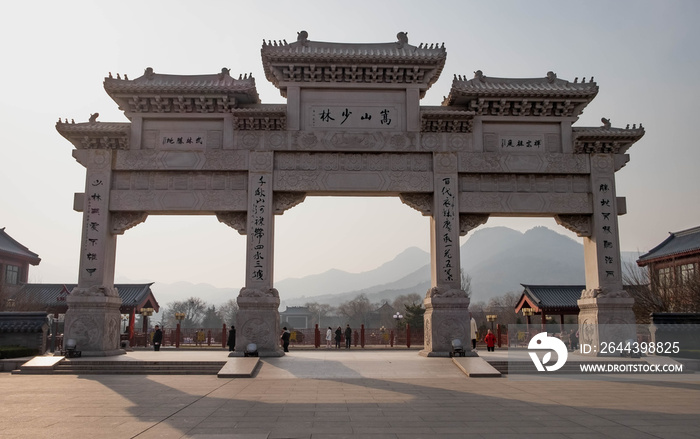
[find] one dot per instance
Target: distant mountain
(498, 259)
(337, 281)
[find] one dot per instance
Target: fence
(217, 337)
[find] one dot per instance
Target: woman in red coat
(490, 340)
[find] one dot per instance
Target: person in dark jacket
(338, 335)
(348, 336)
(285, 338)
(157, 338)
(231, 339)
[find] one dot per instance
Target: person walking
(329, 337)
(157, 338)
(348, 336)
(285, 338)
(338, 335)
(231, 339)
(490, 340)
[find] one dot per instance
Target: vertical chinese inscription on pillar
(448, 221)
(604, 195)
(257, 237)
(95, 221)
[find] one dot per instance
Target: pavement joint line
(183, 408)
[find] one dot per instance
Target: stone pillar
(93, 317)
(446, 304)
(258, 302)
(605, 309)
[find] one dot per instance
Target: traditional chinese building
(15, 260)
(675, 263)
(550, 300)
(352, 125)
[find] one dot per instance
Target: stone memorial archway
(352, 125)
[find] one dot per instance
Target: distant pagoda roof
(552, 299)
(678, 244)
(160, 93)
(385, 64)
(547, 96)
(12, 248)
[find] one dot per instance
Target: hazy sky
(55, 55)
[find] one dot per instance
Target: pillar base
(93, 322)
(258, 321)
(446, 318)
(604, 319)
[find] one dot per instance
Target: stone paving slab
(476, 367)
(354, 394)
(237, 367)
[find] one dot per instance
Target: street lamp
(398, 317)
(491, 318)
(179, 316)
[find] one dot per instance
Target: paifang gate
(352, 125)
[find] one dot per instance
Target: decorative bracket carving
(284, 201)
(579, 224)
(235, 220)
(123, 221)
(469, 222)
(422, 202)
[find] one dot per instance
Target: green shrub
(17, 352)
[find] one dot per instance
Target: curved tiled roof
(22, 322)
(52, 295)
(677, 244)
(13, 248)
(554, 297)
(549, 86)
(365, 63)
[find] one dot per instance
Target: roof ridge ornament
(479, 75)
(303, 37)
(149, 73)
(402, 38)
(93, 118)
(551, 77)
(224, 73)
(606, 123)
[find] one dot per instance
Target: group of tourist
(338, 337)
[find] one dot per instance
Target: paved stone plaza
(336, 394)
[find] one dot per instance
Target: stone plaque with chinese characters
(522, 143)
(184, 140)
(361, 117)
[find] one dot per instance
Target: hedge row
(17, 352)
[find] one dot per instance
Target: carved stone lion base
(93, 322)
(446, 319)
(604, 320)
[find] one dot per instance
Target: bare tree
(466, 282)
(319, 311)
(228, 312)
(356, 310)
(402, 301)
(194, 309)
(650, 295)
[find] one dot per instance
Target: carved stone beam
(235, 220)
(470, 222)
(579, 224)
(286, 200)
(123, 221)
(422, 202)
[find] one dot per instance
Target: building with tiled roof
(675, 261)
(550, 300)
(15, 260)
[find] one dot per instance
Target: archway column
(447, 305)
(93, 318)
(258, 302)
(605, 309)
